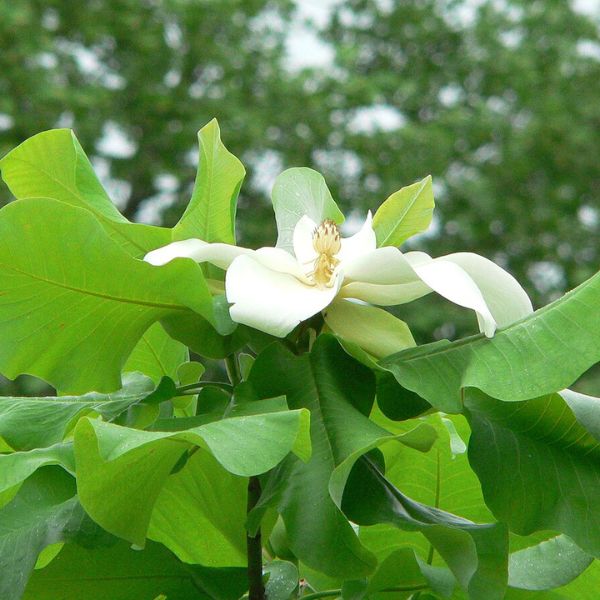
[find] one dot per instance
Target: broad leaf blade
(87, 301)
(538, 467)
(210, 215)
(27, 423)
(404, 214)
(121, 471)
(297, 192)
(538, 355)
(52, 164)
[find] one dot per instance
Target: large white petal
(385, 295)
(381, 266)
(453, 283)
(280, 260)
(218, 254)
(303, 243)
(272, 301)
(507, 300)
(360, 243)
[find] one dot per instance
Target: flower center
(326, 242)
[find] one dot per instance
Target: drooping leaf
(404, 214)
(538, 467)
(200, 514)
(210, 215)
(547, 565)
(29, 422)
(16, 467)
(540, 354)
(119, 573)
(52, 164)
(476, 554)
(87, 302)
(297, 192)
(338, 391)
(157, 354)
(44, 512)
(121, 471)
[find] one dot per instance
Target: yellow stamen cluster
(327, 243)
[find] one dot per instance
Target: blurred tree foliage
(497, 99)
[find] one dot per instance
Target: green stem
(256, 589)
(233, 370)
(331, 593)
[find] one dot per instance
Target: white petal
(385, 295)
(303, 243)
(360, 243)
(272, 301)
(381, 266)
(282, 261)
(453, 283)
(218, 254)
(507, 300)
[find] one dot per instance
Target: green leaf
(547, 565)
(297, 192)
(538, 467)
(404, 214)
(52, 164)
(120, 573)
(538, 355)
(44, 512)
(200, 514)
(373, 329)
(16, 467)
(120, 471)
(338, 391)
(398, 403)
(157, 354)
(36, 422)
(283, 579)
(476, 554)
(87, 302)
(210, 215)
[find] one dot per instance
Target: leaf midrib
(162, 305)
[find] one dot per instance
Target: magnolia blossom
(273, 290)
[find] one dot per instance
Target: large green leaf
(200, 514)
(121, 471)
(338, 391)
(44, 512)
(210, 215)
(538, 467)
(73, 303)
(120, 573)
(547, 565)
(404, 214)
(297, 192)
(52, 164)
(157, 354)
(27, 423)
(476, 554)
(538, 355)
(16, 467)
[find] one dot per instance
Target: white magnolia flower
(273, 291)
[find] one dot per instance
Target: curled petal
(282, 261)
(220, 255)
(272, 301)
(360, 243)
(507, 300)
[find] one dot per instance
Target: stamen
(327, 243)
